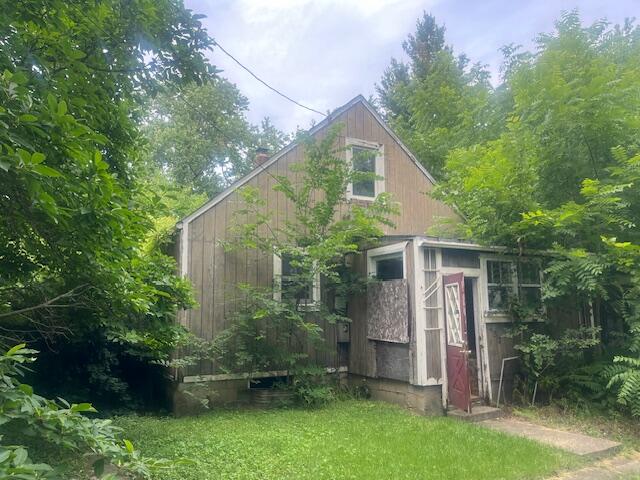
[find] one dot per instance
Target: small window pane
(389, 268)
(364, 160)
(294, 285)
(499, 297)
(493, 272)
(499, 272)
(454, 257)
(506, 273)
(529, 273)
(430, 258)
(531, 297)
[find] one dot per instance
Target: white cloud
(324, 52)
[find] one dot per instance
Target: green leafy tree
(315, 241)
(438, 101)
(563, 176)
(75, 213)
(199, 137)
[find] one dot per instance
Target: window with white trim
(387, 263)
(507, 280)
(530, 284)
(290, 285)
(366, 158)
(389, 267)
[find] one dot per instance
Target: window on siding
(390, 268)
(455, 257)
(367, 161)
(363, 160)
(529, 284)
(505, 280)
(292, 286)
(500, 285)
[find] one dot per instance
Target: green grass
(347, 440)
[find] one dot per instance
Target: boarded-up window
(392, 361)
(388, 311)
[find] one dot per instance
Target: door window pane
(454, 319)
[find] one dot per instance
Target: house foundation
(192, 398)
(423, 400)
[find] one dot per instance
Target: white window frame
(513, 285)
(379, 184)
(388, 251)
(515, 281)
(307, 304)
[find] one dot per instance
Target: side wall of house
(215, 273)
(389, 369)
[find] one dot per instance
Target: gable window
(506, 280)
(290, 285)
(366, 158)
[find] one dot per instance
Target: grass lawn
(347, 440)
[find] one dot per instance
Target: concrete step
(478, 413)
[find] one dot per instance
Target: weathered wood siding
(362, 351)
(215, 273)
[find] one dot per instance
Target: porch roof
(461, 244)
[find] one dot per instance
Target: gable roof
(326, 121)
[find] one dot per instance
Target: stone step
(478, 413)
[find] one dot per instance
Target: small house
(429, 335)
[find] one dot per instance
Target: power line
(208, 120)
(76, 4)
(265, 83)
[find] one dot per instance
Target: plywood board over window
(388, 307)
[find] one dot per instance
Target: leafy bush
(624, 376)
(313, 387)
(265, 335)
(63, 425)
(547, 361)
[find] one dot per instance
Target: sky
(323, 53)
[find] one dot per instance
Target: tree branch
(47, 304)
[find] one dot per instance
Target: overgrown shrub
(265, 335)
(547, 362)
(313, 387)
(60, 424)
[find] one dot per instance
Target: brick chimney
(262, 155)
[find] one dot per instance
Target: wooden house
(429, 335)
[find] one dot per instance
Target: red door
(457, 353)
